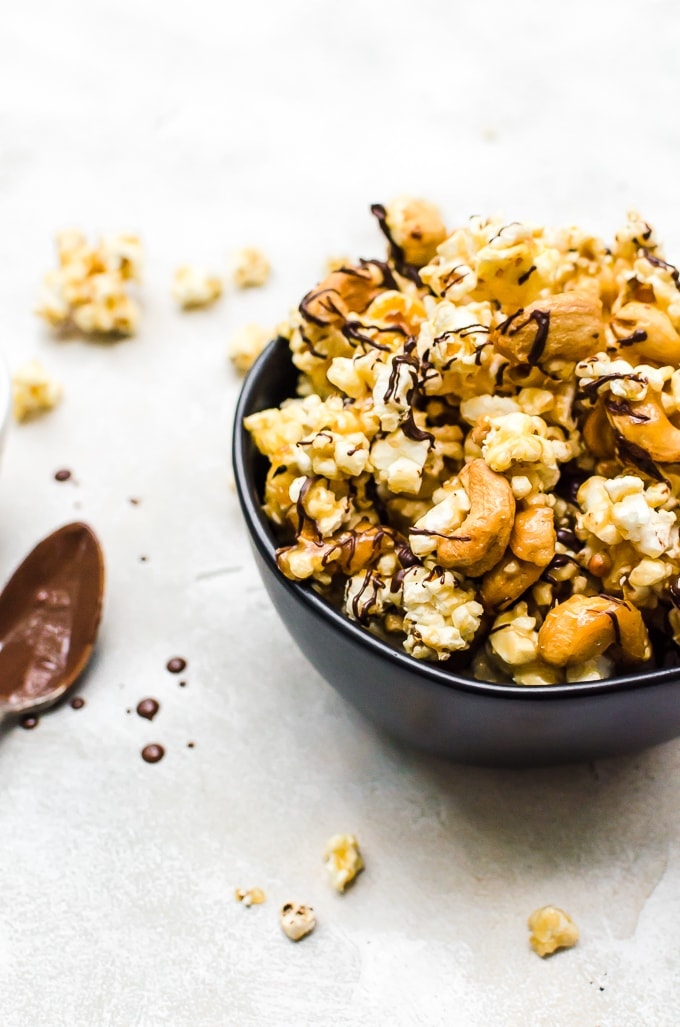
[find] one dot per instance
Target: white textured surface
(209, 126)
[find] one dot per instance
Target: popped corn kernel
(247, 344)
(194, 287)
(250, 896)
(88, 290)
(343, 860)
(551, 929)
(34, 390)
(296, 920)
(250, 268)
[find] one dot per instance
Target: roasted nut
(551, 929)
(343, 860)
(349, 290)
(296, 920)
(416, 227)
(566, 327)
(507, 581)
(533, 535)
(480, 541)
(646, 426)
(583, 627)
(349, 552)
(597, 433)
(645, 335)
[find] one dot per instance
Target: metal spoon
(49, 615)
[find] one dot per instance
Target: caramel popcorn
(88, 290)
(246, 346)
(34, 390)
(551, 929)
(482, 450)
(250, 896)
(343, 860)
(195, 287)
(250, 268)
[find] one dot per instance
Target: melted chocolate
(567, 537)
(77, 703)
(396, 252)
(638, 457)
(658, 262)
(622, 408)
(153, 753)
(148, 708)
(29, 722)
(49, 616)
(176, 664)
(62, 475)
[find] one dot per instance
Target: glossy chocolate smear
(49, 615)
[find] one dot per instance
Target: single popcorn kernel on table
(34, 390)
(296, 920)
(250, 896)
(194, 287)
(246, 346)
(343, 860)
(250, 268)
(88, 290)
(551, 929)
(479, 456)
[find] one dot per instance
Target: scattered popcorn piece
(343, 860)
(296, 920)
(551, 929)
(247, 344)
(34, 390)
(250, 896)
(88, 290)
(250, 268)
(335, 262)
(194, 287)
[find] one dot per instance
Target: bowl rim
(262, 535)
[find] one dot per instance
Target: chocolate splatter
(153, 753)
(148, 708)
(63, 474)
(176, 664)
(77, 703)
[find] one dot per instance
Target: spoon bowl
(50, 611)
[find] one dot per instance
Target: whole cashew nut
(647, 426)
(349, 551)
(645, 334)
(342, 292)
(480, 541)
(530, 550)
(583, 627)
(565, 327)
(597, 433)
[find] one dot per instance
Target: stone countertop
(206, 127)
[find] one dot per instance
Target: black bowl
(428, 705)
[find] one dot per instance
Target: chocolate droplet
(148, 708)
(62, 475)
(176, 665)
(29, 722)
(153, 753)
(77, 703)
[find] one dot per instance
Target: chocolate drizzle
(590, 390)
(396, 252)
(632, 453)
(622, 408)
(658, 262)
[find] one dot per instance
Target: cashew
(533, 535)
(349, 290)
(480, 541)
(584, 626)
(565, 327)
(530, 550)
(645, 334)
(597, 433)
(349, 551)
(646, 425)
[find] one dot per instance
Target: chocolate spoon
(49, 614)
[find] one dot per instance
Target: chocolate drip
(622, 408)
(639, 458)
(590, 390)
(658, 262)
(640, 335)
(567, 537)
(527, 275)
(617, 627)
(396, 252)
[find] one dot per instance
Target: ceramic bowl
(432, 706)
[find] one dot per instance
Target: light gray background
(207, 126)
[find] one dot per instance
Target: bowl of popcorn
(459, 465)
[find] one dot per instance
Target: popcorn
(483, 443)
(250, 268)
(250, 896)
(88, 290)
(195, 287)
(246, 346)
(343, 860)
(551, 929)
(34, 390)
(296, 920)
